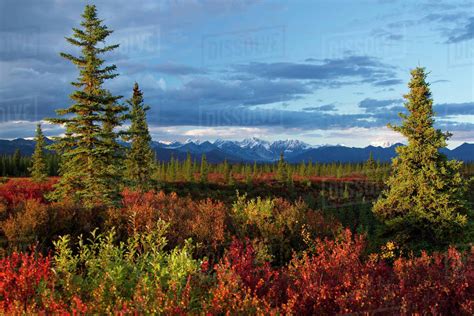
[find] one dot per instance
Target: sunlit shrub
(439, 284)
(279, 224)
(34, 221)
(203, 221)
(25, 280)
(139, 271)
(244, 285)
(332, 278)
(17, 191)
(28, 224)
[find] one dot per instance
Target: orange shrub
(28, 224)
(203, 221)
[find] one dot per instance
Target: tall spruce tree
(140, 161)
(424, 205)
(89, 148)
(39, 168)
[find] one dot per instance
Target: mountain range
(255, 149)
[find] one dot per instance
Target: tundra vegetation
(100, 228)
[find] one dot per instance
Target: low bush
(101, 275)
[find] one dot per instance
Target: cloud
(440, 81)
(387, 35)
(373, 104)
(366, 68)
(453, 21)
(244, 98)
(322, 108)
(22, 129)
(388, 82)
(173, 69)
(226, 132)
(448, 109)
(464, 33)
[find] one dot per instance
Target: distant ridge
(255, 149)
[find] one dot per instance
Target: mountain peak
(254, 142)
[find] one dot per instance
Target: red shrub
(335, 280)
(439, 284)
(203, 221)
(16, 191)
(21, 276)
(243, 284)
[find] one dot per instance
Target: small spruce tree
(204, 169)
(424, 205)
(226, 171)
(39, 168)
(188, 168)
(282, 170)
(370, 166)
(140, 160)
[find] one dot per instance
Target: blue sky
(319, 71)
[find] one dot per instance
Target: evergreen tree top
(418, 126)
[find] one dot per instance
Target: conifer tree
(39, 169)
(231, 181)
(171, 170)
(255, 170)
(282, 172)
(140, 160)
(16, 162)
(188, 168)
(248, 175)
(88, 149)
(226, 171)
(424, 204)
(345, 193)
(204, 169)
(370, 166)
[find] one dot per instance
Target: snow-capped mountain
(289, 146)
(255, 149)
(249, 149)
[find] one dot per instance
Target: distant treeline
(17, 165)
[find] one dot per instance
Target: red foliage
(335, 280)
(20, 277)
(204, 221)
(243, 284)
(440, 284)
(259, 277)
(17, 191)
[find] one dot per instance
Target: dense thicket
(162, 253)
